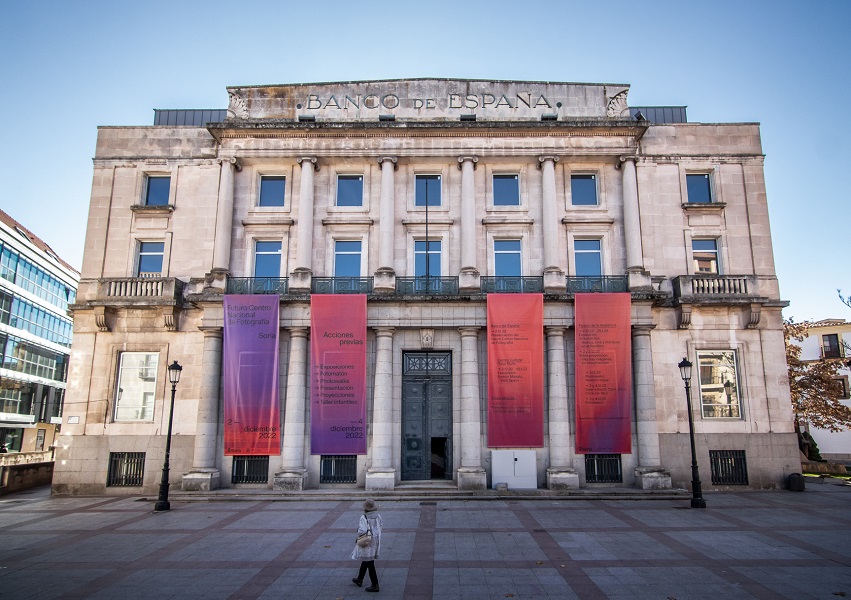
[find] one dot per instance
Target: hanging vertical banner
(515, 370)
(603, 374)
(338, 374)
(252, 411)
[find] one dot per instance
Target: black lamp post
(697, 500)
(162, 504)
(728, 389)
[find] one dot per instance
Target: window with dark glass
(507, 258)
(506, 190)
(583, 190)
(427, 191)
(347, 255)
(588, 257)
(272, 189)
(267, 259)
(830, 346)
(156, 192)
(719, 383)
(349, 190)
(698, 188)
(150, 259)
(432, 255)
(705, 255)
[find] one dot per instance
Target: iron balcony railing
(716, 286)
(599, 284)
(257, 285)
(435, 286)
(512, 285)
(341, 285)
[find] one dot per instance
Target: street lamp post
(697, 500)
(728, 389)
(162, 504)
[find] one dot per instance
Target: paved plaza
(776, 544)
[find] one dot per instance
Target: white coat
(369, 552)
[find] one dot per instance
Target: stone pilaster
(471, 475)
(224, 224)
(293, 473)
(304, 247)
(554, 270)
(560, 474)
(468, 280)
(638, 277)
(649, 474)
(205, 475)
(381, 475)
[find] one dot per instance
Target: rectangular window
(842, 383)
(583, 190)
(719, 384)
(603, 468)
(137, 385)
(427, 191)
(588, 256)
(506, 190)
(150, 259)
(507, 258)
(267, 259)
(347, 258)
(349, 190)
(698, 188)
(156, 191)
(830, 346)
(126, 469)
(705, 255)
(272, 189)
(338, 468)
(728, 467)
(433, 258)
(250, 469)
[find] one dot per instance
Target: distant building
(36, 289)
(831, 338)
(422, 208)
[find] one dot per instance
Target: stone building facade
(550, 188)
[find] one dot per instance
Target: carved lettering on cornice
(618, 106)
(237, 108)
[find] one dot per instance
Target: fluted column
(381, 475)
(224, 215)
(386, 223)
(471, 474)
(560, 474)
(649, 473)
(304, 248)
(204, 475)
(292, 475)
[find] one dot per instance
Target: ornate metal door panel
(414, 441)
(426, 412)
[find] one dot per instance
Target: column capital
(211, 331)
(469, 331)
(312, 159)
(543, 159)
(231, 160)
(555, 330)
(463, 159)
(642, 328)
(384, 331)
(392, 159)
(298, 332)
(626, 157)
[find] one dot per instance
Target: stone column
(385, 276)
(293, 474)
(649, 474)
(224, 224)
(471, 474)
(204, 475)
(300, 277)
(560, 474)
(553, 265)
(638, 277)
(381, 475)
(469, 275)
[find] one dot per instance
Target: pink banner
(252, 411)
(515, 370)
(603, 374)
(338, 374)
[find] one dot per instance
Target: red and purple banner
(338, 374)
(603, 374)
(250, 374)
(515, 370)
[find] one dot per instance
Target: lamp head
(174, 370)
(685, 369)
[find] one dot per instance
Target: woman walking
(369, 526)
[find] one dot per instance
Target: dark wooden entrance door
(426, 416)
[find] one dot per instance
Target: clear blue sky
(71, 66)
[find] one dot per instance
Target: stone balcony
(716, 288)
(102, 295)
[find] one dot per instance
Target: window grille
(338, 468)
(125, 469)
(729, 467)
(603, 468)
(250, 469)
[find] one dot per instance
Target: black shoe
(357, 582)
(372, 588)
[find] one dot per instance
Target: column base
(562, 478)
(554, 281)
(299, 281)
(201, 480)
(638, 279)
(290, 480)
(215, 281)
(469, 281)
(384, 281)
(380, 479)
(472, 478)
(652, 478)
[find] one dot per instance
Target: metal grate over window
(729, 467)
(603, 468)
(250, 469)
(338, 468)
(125, 469)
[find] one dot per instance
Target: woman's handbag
(365, 539)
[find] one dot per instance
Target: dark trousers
(373, 576)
